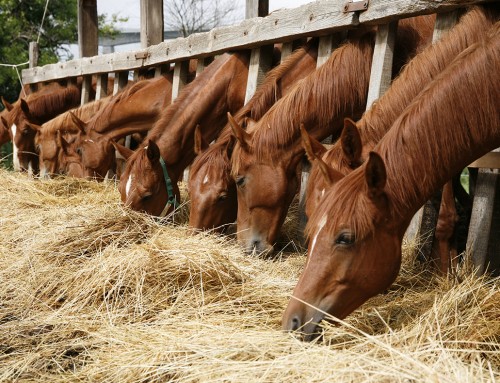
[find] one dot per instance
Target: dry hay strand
(93, 292)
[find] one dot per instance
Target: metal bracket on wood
(141, 55)
(353, 6)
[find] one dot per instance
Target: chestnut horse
(37, 108)
(355, 247)
(46, 141)
(358, 139)
(135, 109)
(265, 159)
(169, 145)
(212, 190)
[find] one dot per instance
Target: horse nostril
(296, 324)
(256, 244)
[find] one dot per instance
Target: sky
(131, 10)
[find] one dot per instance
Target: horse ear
(25, 107)
(122, 150)
(376, 177)
(200, 144)
(79, 123)
(7, 104)
(4, 122)
(314, 151)
(153, 151)
(35, 127)
(350, 140)
(240, 134)
(61, 142)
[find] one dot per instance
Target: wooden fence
(327, 19)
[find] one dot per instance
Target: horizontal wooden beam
(488, 161)
(313, 19)
(383, 11)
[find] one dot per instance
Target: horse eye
(222, 197)
(345, 239)
(25, 132)
(146, 197)
(240, 180)
(79, 151)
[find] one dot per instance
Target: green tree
(20, 23)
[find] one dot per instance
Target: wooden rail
(317, 18)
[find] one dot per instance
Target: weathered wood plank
(481, 237)
(256, 8)
(381, 71)
(33, 54)
(121, 81)
(489, 160)
(260, 63)
(315, 18)
(86, 85)
(151, 22)
(87, 28)
(101, 86)
(180, 78)
(383, 11)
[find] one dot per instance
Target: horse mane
(187, 95)
(377, 120)
(436, 106)
(265, 96)
(279, 127)
(268, 92)
(84, 113)
(56, 101)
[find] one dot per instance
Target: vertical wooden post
(34, 54)
(256, 8)
(151, 22)
(483, 242)
(87, 27)
(121, 81)
(381, 72)
(260, 63)
(180, 78)
(101, 86)
(86, 85)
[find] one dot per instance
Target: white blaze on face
(322, 193)
(128, 186)
(205, 180)
(15, 150)
(321, 224)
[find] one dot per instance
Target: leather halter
(171, 201)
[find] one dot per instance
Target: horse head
(266, 185)
(68, 161)
(146, 185)
(211, 188)
(354, 251)
(4, 130)
(23, 138)
(330, 166)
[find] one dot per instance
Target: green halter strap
(171, 201)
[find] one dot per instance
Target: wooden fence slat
(286, 50)
(381, 71)
(490, 160)
(86, 85)
(101, 86)
(483, 241)
(180, 78)
(121, 80)
(260, 63)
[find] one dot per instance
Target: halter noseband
(171, 201)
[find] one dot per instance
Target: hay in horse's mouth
(92, 291)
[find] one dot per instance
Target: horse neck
(453, 121)
(421, 70)
(147, 103)
(206, 102)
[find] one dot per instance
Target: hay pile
(91, 292)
